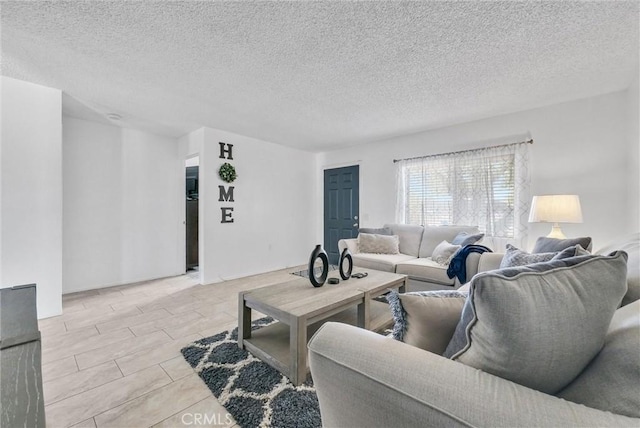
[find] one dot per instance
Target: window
(484, 187)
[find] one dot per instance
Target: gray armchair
(364, 379)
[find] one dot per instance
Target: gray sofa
(416, 247)
(364, 379)
(629, 244)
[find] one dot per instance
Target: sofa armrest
(471, 265)
(365, 379)
(351, 244)
(489, 261)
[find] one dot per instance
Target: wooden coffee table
(301, 309)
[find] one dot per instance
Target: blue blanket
(458, 265)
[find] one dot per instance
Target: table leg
(364, 312)
(298, 349)
(244, 321)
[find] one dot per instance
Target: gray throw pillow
(464, 238)
(516, 257)
(630, 244)
(376, 231)
(540, 325)
(426, 319)
(611, 381)
(574, 251)
(551, 245)
(378, 244)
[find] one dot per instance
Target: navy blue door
(341, 207)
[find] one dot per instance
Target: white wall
(122, 206)
(31, 204)
(274, 206)
(581, 147)
(633, 98)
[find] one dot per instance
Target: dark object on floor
(333, 281)
(458, 264)
(360, 275)
(21, 398)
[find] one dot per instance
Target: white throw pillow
(443, 253)
(378, 244)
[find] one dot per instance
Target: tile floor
(112, 359)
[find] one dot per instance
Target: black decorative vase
(318, 253)
(345, 257)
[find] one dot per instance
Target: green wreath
(227, 172)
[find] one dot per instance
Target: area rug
(254, 393)
(318, 270)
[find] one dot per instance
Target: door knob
(355, 224)
(355, 217)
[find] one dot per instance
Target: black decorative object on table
(318, 253)
(345, 257)
(360, 275)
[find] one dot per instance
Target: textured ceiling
(317, 75)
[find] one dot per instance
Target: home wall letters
(226, 194)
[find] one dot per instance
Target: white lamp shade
(555, 209)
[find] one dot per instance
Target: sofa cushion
(433, 235)
(426, 319)
(425, 269)
(383, 262)
(376, 231)
(378, 244)
(540, 325)
(551, 245)
(465, 238)
(410, 237)
(630, 245)
(517, 257)
(611, 381)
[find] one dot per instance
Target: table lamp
(555, 209)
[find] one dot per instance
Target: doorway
(192, 173)
(341, 207)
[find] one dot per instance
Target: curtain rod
(530, 141)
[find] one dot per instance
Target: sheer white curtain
(487, 187)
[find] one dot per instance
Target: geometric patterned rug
(318, 270)
(253, 392)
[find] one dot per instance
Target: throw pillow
(433, 235)
(611, 382)
(516, 257)
(464, 238)
(376, 231)
(630, 244)
(378, 244)
(426, 319)
(443, 253)
(552, 245)
(574, 251)
(540, 325)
